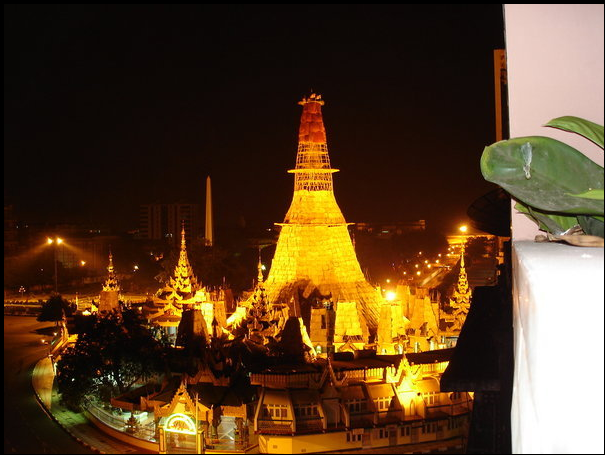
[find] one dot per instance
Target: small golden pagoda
(315, 257)
(183, 292)
(461, 298)
(109, 297)
(183, 286)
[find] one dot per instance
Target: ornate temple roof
(111, 283)
(462, 293)
(183, 283)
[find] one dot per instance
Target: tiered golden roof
(462, 293)
(111, 283)
(183, 284)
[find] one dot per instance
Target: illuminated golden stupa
(314, 257)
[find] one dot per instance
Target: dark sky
(109, 107)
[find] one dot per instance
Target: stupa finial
(260, 268)
(183, 244)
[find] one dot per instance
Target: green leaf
(591, 225)
(542, 172)
(549, 222)
(586, 128)
(591, 194)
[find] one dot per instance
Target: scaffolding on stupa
(315, 257)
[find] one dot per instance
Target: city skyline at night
(108, 108)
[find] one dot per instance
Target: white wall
(555, 68)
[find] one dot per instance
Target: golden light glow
(49, 240)
(390, 296)
(463, 228)
(418, 273)
(180, 423)
(82, 263)
(59, 241)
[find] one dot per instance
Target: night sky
(109, 107)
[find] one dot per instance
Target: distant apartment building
(163, 221)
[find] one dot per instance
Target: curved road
(27, 427)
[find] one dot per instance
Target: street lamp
(56, 241)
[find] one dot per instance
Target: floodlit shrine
(315, 260)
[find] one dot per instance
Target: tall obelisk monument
(208, 233)
(314, 253)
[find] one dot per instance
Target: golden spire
(313, 171)
(184, 281)
(311, 122)
(260, 269)
(462, 294)
(111, 284)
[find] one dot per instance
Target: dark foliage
(112, 353)
(55, 309)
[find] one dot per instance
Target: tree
(55, 309)
(111, 355)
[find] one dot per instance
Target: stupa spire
(184, 281)
(462, 293)
(111, 284)
(260, 269)
(462, 278)
(313, 171)
(314, 254)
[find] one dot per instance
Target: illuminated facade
(314, 257)
(357, 400)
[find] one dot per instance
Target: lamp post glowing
(57, 241)
(463, 229)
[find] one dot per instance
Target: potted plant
(554, 184)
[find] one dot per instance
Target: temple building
(315, 258)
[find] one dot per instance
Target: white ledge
(558, 326)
